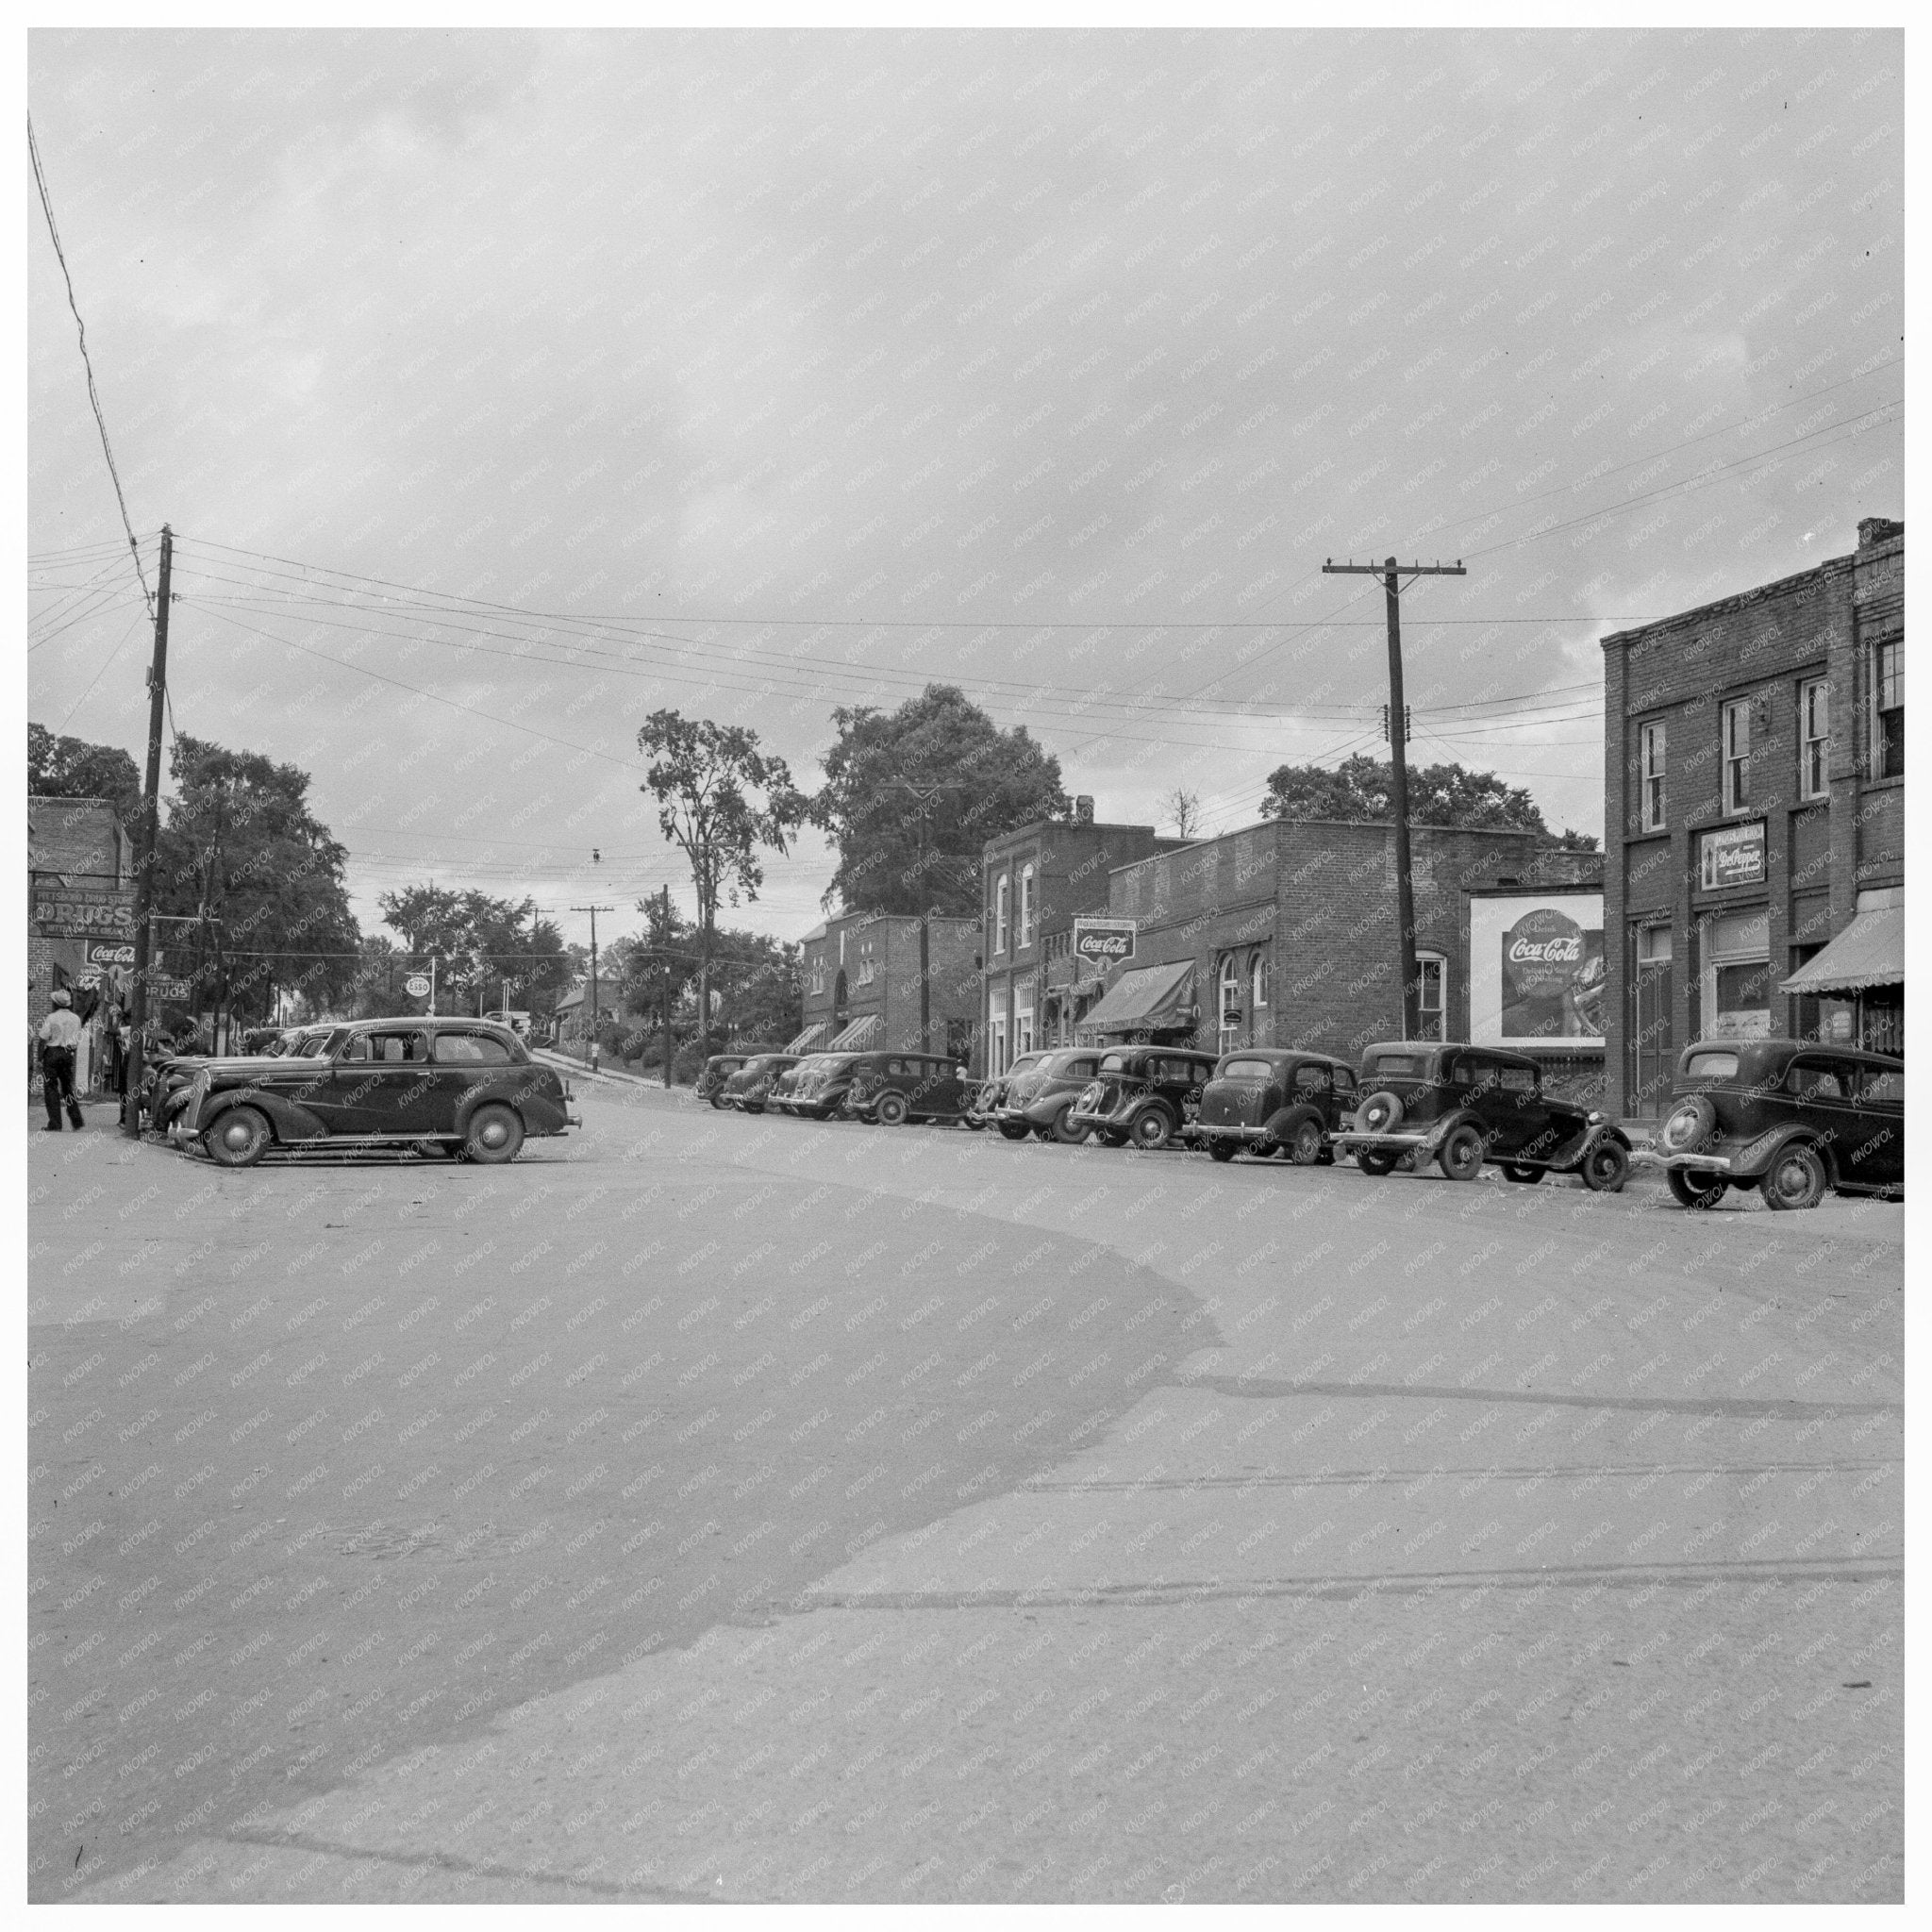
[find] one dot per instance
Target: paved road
(706, 1507)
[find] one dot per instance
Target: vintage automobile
(1039, 1095)
(168, 1082)
(990, 1095)
(890, 1089)
(815, 1089)
(709, 1084)
(749, 1087)
(1142, 1095)
(448, 1086)
(1275, 1100)
(1461, 1106)
(1793, 1118)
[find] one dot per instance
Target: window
(1737, 977)
(1258, 980)
(389, 1049)
(471, 1050)
(1245, 1069)
(1735, 735)
(1230, 1003)
(996, 1033)
(818, 976)
(1889, 708)
(1309, 1078)
(1517, 1079)
(1651, 776)
(1883, 1086)
(1432, 972)
(1810, 1081)
(1025, 937)
(1001, 895)
(1712, 1066)
(1814, 739)
(1653, 945)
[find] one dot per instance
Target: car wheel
(1304, 1144)
(494, 1136)
(1692, 1187)
(1460, 1156)
(1151, 1129)
(977, 1126)
(891, 1110)
(1380, 1113)
(1220, 1150)
(1688, 1126)
(1797, 1179)
(1528, 1177)
(1065, 1132)
(239, 1137)
(1376, 1161)
(1015, 1130)
(1606, 1168)
(717, 1100)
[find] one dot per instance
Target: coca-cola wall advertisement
(1536, 969)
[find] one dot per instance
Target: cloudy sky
(504, 387)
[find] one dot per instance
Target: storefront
(1152, 1005)
(1853, 990)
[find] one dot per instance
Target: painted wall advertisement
(1732, 856)
(1536, 969)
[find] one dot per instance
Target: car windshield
(1246, 1070)
(1710, 1066)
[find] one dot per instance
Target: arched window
(1001, 897)
(1230, 999)
(1025, 937)
(1259, 980)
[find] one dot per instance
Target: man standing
(60, 1036)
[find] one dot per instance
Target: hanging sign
(416, 986)
(1103, 941)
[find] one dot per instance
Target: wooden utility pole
(144, 842)
(1390, 573)
(594, 912)
(667, 985)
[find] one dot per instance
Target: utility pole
(594, 912)
(667, 987)
(145, 843)
(1390, 573)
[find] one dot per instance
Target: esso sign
(416, 986)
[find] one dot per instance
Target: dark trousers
(57, 1086)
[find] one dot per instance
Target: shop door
(1653, 1042)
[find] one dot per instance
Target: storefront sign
(1104, 942)
(1536, 969)
(111, 953)
(93, 912)
(1732, 856)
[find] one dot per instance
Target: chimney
(1083, 810)
(1877, 530)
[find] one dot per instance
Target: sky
(504, 387)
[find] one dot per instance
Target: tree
(482, 945)
(911, 796)
(71, 768)
(1363, 787)
(244, 858)
(721, 798)
(1184, 808)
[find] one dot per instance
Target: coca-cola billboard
(1536, 969)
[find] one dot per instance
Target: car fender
(1754, 1157)
(1282, 1123)
(1438, 1131)
(290, 1120)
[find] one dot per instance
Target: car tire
(1304, 1145)
(1693, 1187)
(891, 1111)
(1607, 1167)
(1376, 1161)
(1796, 1179)
(1688, 1126)
(1015, 1130)
(1528, 1176)
(1151, 1129)
(239, 1137)
(1460, 1156)
(494, 1136)
(1220, 1150)
(717, 1101)
(1065, 1132)
(1380, 1113)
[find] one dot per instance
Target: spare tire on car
(1380, 1113)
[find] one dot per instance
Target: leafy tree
(721, 798)
(1362, 787)
(244, 856)
(71, 768)
(911, 796)
(480, 944)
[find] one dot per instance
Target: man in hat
(59, 1036)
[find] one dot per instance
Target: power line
(93, 396)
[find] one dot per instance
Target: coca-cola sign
(1103, 941)
(1542, 951)
(1536, 969)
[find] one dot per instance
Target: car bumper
(1227, 1130)
(1384, 1143)
(1741, 1166)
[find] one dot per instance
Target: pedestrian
(59, 1036)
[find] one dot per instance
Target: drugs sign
(82, 912)
(1103, 941)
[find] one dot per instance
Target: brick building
(80, 914)
(1034, 882)
(1754, 818)
(1284, 935)
(861, 985)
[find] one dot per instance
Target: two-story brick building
(1037, 880)
(1754, 818)
(1284, 934)
(80, 914)
(862, 973)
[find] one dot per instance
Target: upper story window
(1259, 980)
(1814, 739)
(1432, 974)
(1230, 994)
(1025, 937)
(868, 966)
(1735, 736)
(818, 973)
(1001, 899)
(1889, 708)
(1650, 754)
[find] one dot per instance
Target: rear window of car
(1114, 1063)
(1712, 1066)
(1517, 1079)
(1311, 1078)
(1401, 1064)
(1249, 1070)
(471, 1050)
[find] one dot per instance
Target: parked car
(709, 1084)
(1792, 1118)
(1145, 1094)
(166, 1088)
(749, 1087)
(815, 1089)
(890, 1089)
(459, 1086)
(1461, 1106)
(1038, 1097)
(984, 1109)
(1275, 1100)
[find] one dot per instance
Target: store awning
(862, 1033)
(811, 1040)
(1870, 951)
(1145, 1001)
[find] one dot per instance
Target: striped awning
(1870, 951)
(1154, 998)
(811, 1040)
(863, 1032)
